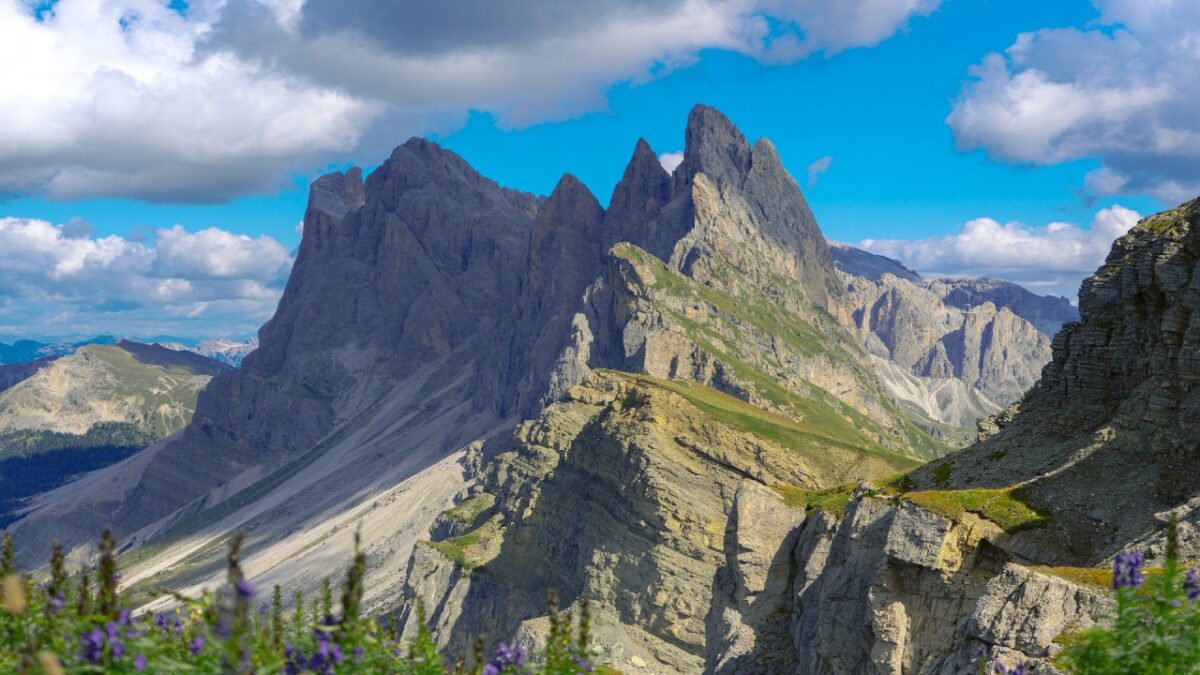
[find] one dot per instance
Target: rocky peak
(644, 189)
(712, 146)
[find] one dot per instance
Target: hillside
(137, 393)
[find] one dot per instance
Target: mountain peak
(712, 146)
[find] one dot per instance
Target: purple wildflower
(112, 629)
(359, 654)
(123, 617)
(92, 646)
(57, 603)
(197, 645)
(245, 589)
(1191, 584)
(505, 657)
(161, 621)
(118, 647)
(1127, 570)
(139, 662)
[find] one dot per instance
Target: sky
(155, 156)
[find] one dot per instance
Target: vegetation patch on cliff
(1002, 506)
(830, 500)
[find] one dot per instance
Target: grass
(455, 548)
(470, 550)
(469, 510)
(1002, 506)
(830, 500)
(1096, 577)
(942, 473)
(799, 436)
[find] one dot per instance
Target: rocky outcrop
(648, 470)
(890, 587)
(991, 336)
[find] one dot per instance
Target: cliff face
(964, 347)
(967, 552)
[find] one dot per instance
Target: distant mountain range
(952, 351)
(227, 351)
(24, 351)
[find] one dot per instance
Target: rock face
(913, 577)
(647, 469)
(964, 347)
(719, 298)
(887, 587)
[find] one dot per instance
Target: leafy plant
(1156, 629)
(83, 627)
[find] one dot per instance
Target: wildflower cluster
(78, 625)
(1157, 624)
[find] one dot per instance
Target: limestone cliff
(619, 494)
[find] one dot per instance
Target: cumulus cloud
(1053, 259)
(131, 98)
(1124, 92)
(55, 280)
(819, 25)
(818, 167)
(671, 160)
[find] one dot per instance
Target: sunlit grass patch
(1002, 506)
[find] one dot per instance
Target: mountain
(951, 350)
(25, 351)
(229, 352)
(442, 337)
(993, 547)
(61, 416)
(146, 391)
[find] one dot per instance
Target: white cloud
(53, 280)
(820, 25)
(129, 98)
(217, 254)
(671, 160)
(818, 167)
(1054, 258)
(1124, 92)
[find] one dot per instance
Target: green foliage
(1002, 506)
(1156, 629)
(942, 473)
(830, 500)
(60, 627)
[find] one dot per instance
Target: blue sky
(945, 134)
